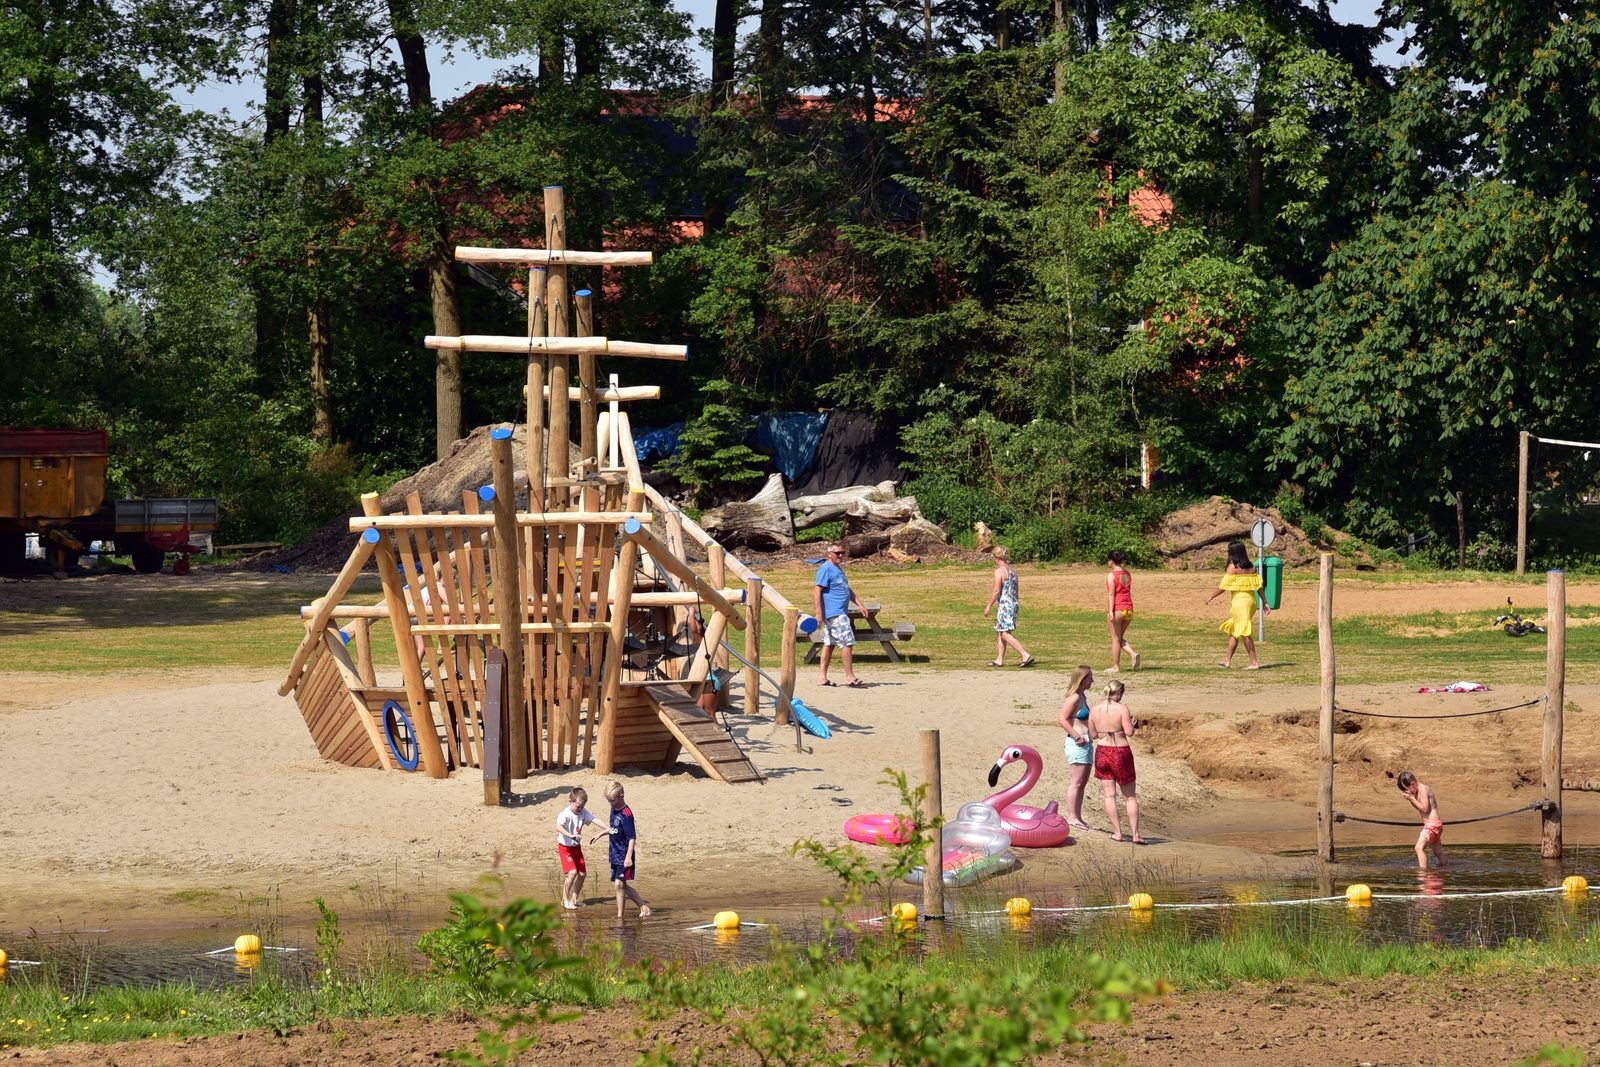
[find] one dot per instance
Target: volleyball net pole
(1551, 732)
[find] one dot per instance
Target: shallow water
(1435, 906)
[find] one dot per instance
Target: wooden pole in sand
(538, 372)
(494, 722)
(786, 673)
(1325, 718)
(508, 601)
(752, 646)
(1522, 502)
(1555, 688)
(427, 731)
(932, 814)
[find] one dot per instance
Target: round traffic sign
(1262, 533)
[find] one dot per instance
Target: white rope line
(703, 927)
(1458, 896)
(1569, 444)
(264, 948)
(24, 963)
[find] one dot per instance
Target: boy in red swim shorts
(1426, 801)
(569, 844)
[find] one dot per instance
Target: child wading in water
(1426, 801)
(623, 850)
(569, 844)
(1119, 610)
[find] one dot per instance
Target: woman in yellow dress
(1244, 583)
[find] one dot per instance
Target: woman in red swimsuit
(1111, 725)
(1119, 610)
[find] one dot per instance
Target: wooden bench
(867, 628)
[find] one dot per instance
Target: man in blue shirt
(833, 596)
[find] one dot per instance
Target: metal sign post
(1262, 535)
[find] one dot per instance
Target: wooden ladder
(709, 743)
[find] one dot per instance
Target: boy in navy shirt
(624, 845)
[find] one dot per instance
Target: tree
(1465, 308)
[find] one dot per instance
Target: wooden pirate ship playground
(546, 625)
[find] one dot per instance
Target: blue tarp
(659, 442)
(791, 437)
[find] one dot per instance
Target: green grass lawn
(254, 624)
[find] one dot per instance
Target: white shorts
(837, 630)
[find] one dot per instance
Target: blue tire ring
(395, 720)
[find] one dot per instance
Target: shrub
(956, 507)
(712, 457)
(1043, 539)
(1092, 535)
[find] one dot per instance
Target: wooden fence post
(494, 737)
(1555, 689)
(933, 814)
(791, 627)
(1325, 717)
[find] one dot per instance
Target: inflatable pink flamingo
(1029, 827)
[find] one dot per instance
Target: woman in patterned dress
(1005, 621)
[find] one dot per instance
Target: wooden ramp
(706, 741)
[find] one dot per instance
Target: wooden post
(1522, 502)
(933, 815)
(538, 371)
(508, 600)
(361, 631)
(1555, 688)
(605, 758)
(555, 239)
(410, 666)
(752, 646)
(717, 561)
(791, 628)
(583, 312)
(1325, 718)
(494, 717)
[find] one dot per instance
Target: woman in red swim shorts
(1111, 725)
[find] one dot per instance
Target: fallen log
(763, 522)
(819, 508)
(917, 537)
(1240, 534)
(867, 515)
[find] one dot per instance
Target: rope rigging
(1538, 805)
(1446, 715)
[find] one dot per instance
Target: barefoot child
(624, 844)
(1426, 801)
(569, 843)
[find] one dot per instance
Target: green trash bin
(1272, 581)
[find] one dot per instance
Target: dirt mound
(1196, 538)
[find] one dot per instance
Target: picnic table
(867, 628)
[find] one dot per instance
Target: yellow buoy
(1358, 894)
(1019, 907)
(904, 912)
(726, 920)
(3, 959)
(1141, 902)
(247, 945)
(1575, 885)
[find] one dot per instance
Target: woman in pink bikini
(1119, 610)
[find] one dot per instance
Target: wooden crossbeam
(540, 257)
(484, 522)
(560, 346)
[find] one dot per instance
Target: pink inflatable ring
(877, 829)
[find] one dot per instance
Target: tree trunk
(319, 326)
(440, 269)
(1089, 17)
(769, 57)
(1461, 529)
(880, 515)
(281, 18)
(762, 522)
(724, 42)
(825, 507)
(1255, 174)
